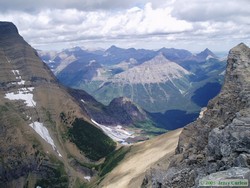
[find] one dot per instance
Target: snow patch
(22, 94)
(87, 178)
(18, 77)
(44, 133)
(92, 61)
(209, 57)
(116, 133)
(83, 101)
(16, 72)
(22, 82)
(203, 110)
(222, 73)
(182, 92)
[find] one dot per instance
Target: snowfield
(44, 133)
(22, 94)
(116, 133)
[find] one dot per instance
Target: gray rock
(222, 135)
(243, 160)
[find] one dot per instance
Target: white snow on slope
(44, 133)
(26, 95)
(22, 94)
(87, 178)
(15, 72)
(18, 77)
(203, 110)
(22, 82)
(116, 133)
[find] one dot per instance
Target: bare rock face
(219, 140)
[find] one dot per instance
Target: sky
(185, 24)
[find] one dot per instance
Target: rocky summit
(217, 145)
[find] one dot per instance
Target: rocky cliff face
(219, 142)
(43, 131)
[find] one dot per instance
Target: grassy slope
(131, 170)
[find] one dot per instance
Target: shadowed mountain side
(173, 119)
(205, 93)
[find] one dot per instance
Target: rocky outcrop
(220, 140)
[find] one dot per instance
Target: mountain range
(172, 85)
(55, 136)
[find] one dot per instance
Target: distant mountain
(156, 70)
(176, 55)
(204, 55)
(158, 81)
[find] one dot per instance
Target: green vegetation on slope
(149, 128)
(58, 178)
(91, 140)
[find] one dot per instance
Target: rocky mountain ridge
(156, 70)
(135, 74)
(41, 123)
(218, 143)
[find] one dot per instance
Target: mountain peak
(206, 54)
(7, 28)
(113, 47)
(157, 70)
(240, 47)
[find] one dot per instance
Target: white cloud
(211, 10)
(141, 23)
(85, 5)
(72, 25)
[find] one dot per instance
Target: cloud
(142, 23)
(211, 10)
(59, 25)
(85, 5)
